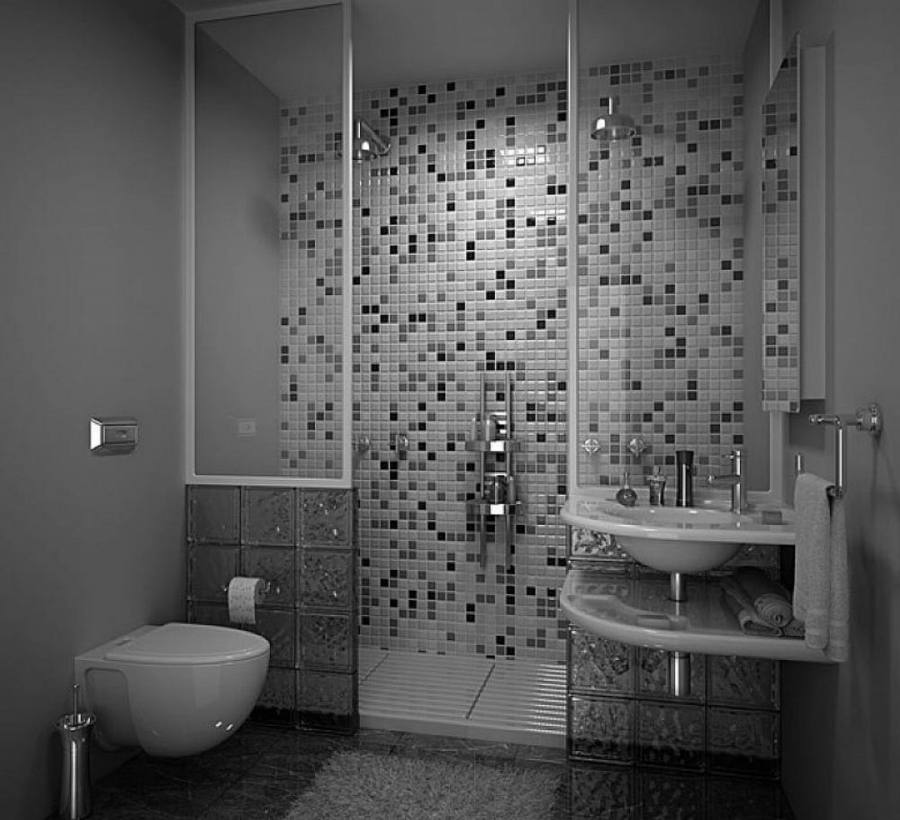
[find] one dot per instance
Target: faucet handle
(736, 456)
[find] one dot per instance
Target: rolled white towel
(770, 599)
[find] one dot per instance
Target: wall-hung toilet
(173, 690)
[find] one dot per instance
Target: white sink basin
(681, 539)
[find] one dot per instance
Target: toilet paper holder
(269, 588)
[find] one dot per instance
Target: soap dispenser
(657, 485)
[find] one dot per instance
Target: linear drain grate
(520, 701)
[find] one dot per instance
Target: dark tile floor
(260, 771)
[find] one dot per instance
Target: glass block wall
(620, 710)
(303, 543)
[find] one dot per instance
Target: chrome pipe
(677, 588)
(680, 674)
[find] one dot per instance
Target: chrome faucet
(737, 479)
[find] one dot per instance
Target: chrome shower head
(367, 142)
(612, 126)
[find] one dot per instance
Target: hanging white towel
(821, 587)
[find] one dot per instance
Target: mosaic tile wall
(781, 238)
(311, 290)
(660, 267)
(619, 707)
(461, 242)
(303, 543)
(460, 257)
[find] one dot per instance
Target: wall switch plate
(113, 435)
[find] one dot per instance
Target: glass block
(601, 728)
(210, 569)
(268, 517)
(326, 518)
(654, 680)
(279, 690)
(212, 614)
(676, 795)
(598, 791)
(326, 579)
(326, 692)
(598, 545)
(764, 556)
(214, 514)
(326, 642)
(741, 740)
(747, 798)
(599, 664)
(671, 734)
(748, 682)
(277, 626)
(274, 565)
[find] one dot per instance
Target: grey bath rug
(366, 786)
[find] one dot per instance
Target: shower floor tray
(513, 701)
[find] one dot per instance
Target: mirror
(268, 299)
(781, 238)
(660, 237)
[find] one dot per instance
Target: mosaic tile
(213, 514)
(660, 270)
(781, 241)
(267, 517)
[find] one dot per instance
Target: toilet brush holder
(75, 790)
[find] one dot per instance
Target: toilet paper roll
(244, 595)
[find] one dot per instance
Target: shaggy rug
(366, 786)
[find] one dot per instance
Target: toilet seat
(188, 644)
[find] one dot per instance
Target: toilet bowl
(174, 690)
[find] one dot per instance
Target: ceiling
(418, 41)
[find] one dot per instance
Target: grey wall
(238, 267)
(90, 323)
(842, 725)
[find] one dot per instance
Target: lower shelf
(639, 612)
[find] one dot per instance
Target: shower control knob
(591, 446)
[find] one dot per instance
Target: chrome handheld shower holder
(868, 419)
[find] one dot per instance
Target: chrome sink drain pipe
(677, 588)
(679, 662)
(680, 674)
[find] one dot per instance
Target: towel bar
(868, 419)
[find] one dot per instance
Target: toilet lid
(176, 643)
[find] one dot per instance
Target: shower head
(612, 126)
(367, 142)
